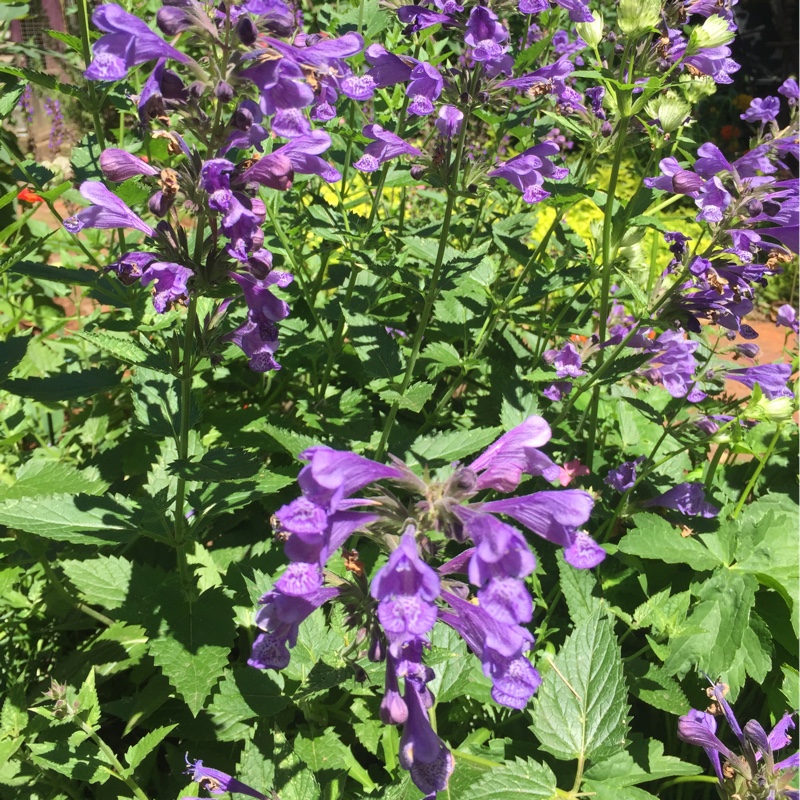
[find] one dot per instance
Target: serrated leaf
(70, 518)
(322, 751)
(103, 580)
(9, 100)
(79, 762)
(654, 537)
(155, 402)
(414, 398)
(654, 686)
(453, 445)
(219, 464)
(456, 672)
(377, 351)
(137, 753)
(601, 790)
(40, 476)
(790, 688)
(73, 42)
(124, 348)
(87, 704)
(581, 708)
(577, 586)
(244, 694)
(291, 441)
(443, 353)
(519, 780)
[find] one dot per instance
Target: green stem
(687, 779)
(605, 283)
(713, 464)
(119, 771)
(761, 464)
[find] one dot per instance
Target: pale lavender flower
(762, 110)
(385, 146)
(106, 211)
(425, 86)
(449, 122)
(119, 165)
(528, 171)
(787, 317)
(772, 378)
(567, 361)
(790, 90)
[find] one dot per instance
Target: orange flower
(29, 196)
(729, 132)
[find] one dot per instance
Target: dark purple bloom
(127, 43)
(303, 153)
(596, 95)
(787, 317)
(543, 79)
(623, 477)
(747, 349)
(772, 379)
(687, 498)
(387, 69)
(385, 146)
(528, 170)
(485, 35)
(699, 728)
(247, 128)
(169, 283)
(424, 87)
(106, 211)
(275, 15)
(258, 336)
(567, 361)
(275, 170)
(449, 122)
(162, 91)
(762, 110)
(675, 179)
(216, 782)
(119, 165)
(129, 268)
(418, 17)
(557, 391)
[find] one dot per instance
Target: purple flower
(418, 18)
(163, 90)
(771, 378)
(119, 165)
(557, 391)
(528, 170)
(673, 363)
(623, 477)
(406, 589)
(106, 211)
(713, 199)
(387, 69)
(543, 79)
(216, 782)
(762, 110)
(247, 128)
(578, 10)
(449, 122)
(129, 268)
(275, 170)
(169, 283)
(385, 146)
(487, 37)
(424, 87)
(258, 336)
(567, 361)
(675, 179)
(790, 90)
(787, 317)
(127, 43)
(687, 498)
(303, 153)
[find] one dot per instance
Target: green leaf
(12, 351)
(45, 81)
(9, 99)
(577, 586)
(71, 518)
(716, 625)
(453, 445)
(377, 351)
(790, 688)
(443, 353)
(66, 386)
(581, 709)
(414, 399)
(642, 761)
(66, 275)
(518, 780)
(103, 580)
(291, 441)
(322, 752)
(137, 753)
(79, 761)
(155, 402)
(244, 694)
(654, 537)
(219, 464)
(124, 348)
(194, 643)
(653, 685)
(600, 790)
(456, 673)
(40, 476)
(73, 42)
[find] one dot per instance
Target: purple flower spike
(128, 42)
(386, 146)
(216, 782)
(119, 165)
(762, 110)
(772, 379)
(686, 498)
(528, 170)
(501, 465)
(169, 281)
(106, 211)
(449, 122)
(406, 588)
(424, 87)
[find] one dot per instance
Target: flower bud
(754, 208)
(393, 709)
(172, 21)
(119, 165)
(246, 31)
(417, 171)
(197, 89)
(223, 92)
(606, 129)
(242, 119)
(636, 17)
(685, 182)
(591, 32)
(160, 203)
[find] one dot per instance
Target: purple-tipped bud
(754, 208)
(119, 165)
(606, 129)
(246, 31)
(197, 89)
(160, 203)
(242, 119)
(377, 647)
(223, 92)
(686, 182)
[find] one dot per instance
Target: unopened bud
(591, 32)
(223, 92)
(246, 30)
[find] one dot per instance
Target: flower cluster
(409, 595)
(754, 773)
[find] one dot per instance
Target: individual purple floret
(385, 146)
(762, 110)
(557, 391)
(567, 361)
(169, 283)
(119, 165)
(790, 90)
(106, 211)
(387, 69)
(578, 10)
(623, 477)
(449, 122)
(419, 17)
(675, 179)
(487, 37)
(787, 317)
(772, 378)
(687, 498)
(425, 85)
(528, 171)
(216, 782)
(127, 43)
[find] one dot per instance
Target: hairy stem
(759, 469)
